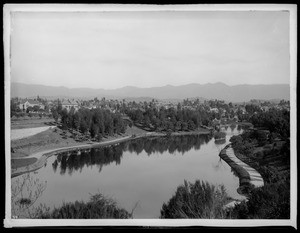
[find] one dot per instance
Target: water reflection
(74, 161)
(220, 141)
(172, 144)
(102, 156)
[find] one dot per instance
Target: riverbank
(248, 176)
(21, 164)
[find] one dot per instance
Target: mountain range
(237, 93)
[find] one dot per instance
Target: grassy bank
(31, 122)
(57, 138)
(23, 162)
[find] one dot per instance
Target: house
(67, 104)
(24, 104)
(216, 110)
(235, 118)
(216, 122)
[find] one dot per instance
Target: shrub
(98, 207)
(268, 202)
(198, 200)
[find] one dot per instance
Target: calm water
(143, 171)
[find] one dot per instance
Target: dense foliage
(98, 122)
(98, 207)
(271, 158)
(170, 119)
(198, 200)
(219, 135)
(272, 201)
(277, 121)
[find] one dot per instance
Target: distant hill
(221, 91)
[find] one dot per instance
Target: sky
(149, 49)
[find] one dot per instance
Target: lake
(142, 173)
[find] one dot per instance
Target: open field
(28, 122)
(16, 134)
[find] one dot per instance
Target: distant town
(218, 110)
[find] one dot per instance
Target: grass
(16, 163)
(27, 122)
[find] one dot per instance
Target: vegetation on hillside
(268, 151)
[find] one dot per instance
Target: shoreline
(42, 156)
(248, 176)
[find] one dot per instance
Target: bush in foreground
(271, 201)
(198, 200)
(98, 207)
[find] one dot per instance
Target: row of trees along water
(171, 119)
(98, 122)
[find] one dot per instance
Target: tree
(55, 114)
(76, 120)
(24, 193)
(29, 109)
(36, 108)
(64, 119)
(14, 108)
(83, 127)
(59, 107)
(94, 130)
(191, 125)
(184, 126)
(178, 125)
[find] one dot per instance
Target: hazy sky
(145, 49)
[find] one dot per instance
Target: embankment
(248, 176)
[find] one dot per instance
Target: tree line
(171, 119)
(96, 122)
(276, 121)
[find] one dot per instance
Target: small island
(219, 136)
